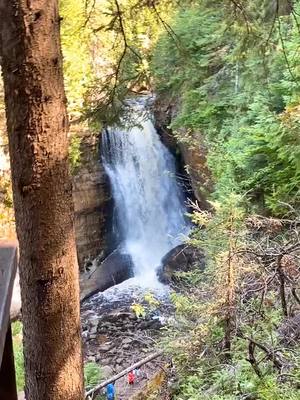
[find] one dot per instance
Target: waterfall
(149, 204)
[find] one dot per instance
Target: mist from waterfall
(149, 204)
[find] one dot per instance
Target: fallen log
(91, 393)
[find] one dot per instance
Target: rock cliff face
(194, 155)
(92, 202)
(188, 147)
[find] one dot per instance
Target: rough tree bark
(37, 126)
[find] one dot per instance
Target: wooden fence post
(8, 267)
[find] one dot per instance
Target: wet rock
(122, 338)
(116, 268)
(183, 258)
(119, 361)
(150, 324)
(85, 334)
(106, 347)
(107, 372)
(93, 330)
(127, 341)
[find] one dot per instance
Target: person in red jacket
(131, 378)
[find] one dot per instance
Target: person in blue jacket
(110, 391)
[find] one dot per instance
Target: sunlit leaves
(239, 87)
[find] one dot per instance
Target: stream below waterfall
(149, 216)
(148, 221)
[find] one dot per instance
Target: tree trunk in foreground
(37, 126)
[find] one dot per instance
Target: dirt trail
(126, 391)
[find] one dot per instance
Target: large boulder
(183, 258)
(116, 268)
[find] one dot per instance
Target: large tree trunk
(37, 126)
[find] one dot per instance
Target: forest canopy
(229, 73)
(225, 74)
(238, 80)
(231, 67)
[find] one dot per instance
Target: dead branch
(271, 354)
(294, 293)
(282, 286)
(252, 360)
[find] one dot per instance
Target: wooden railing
(8, 267)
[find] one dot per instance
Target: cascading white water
(150, 206)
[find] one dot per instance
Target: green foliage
(5, 192)
(148, 305)
(92, 375)
(139, 310)
(126, 32)
(18, 354)
(238, 84)
(77, 53)
(151, 300)
(230, 301)
(74, 153)
(16, 328)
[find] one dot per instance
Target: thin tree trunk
(252, 359)
(230, 301)
(37, 127)
(282, 287)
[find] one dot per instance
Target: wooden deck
(8, 268)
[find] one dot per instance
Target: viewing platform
(8, 268)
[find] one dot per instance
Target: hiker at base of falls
(110, 391)
(137, 374)
(131, 378)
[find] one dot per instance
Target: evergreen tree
(37, 125)
(238, 81)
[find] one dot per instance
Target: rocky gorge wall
(189, 149)
(91, 195)
(91, 188)
(92, 201)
